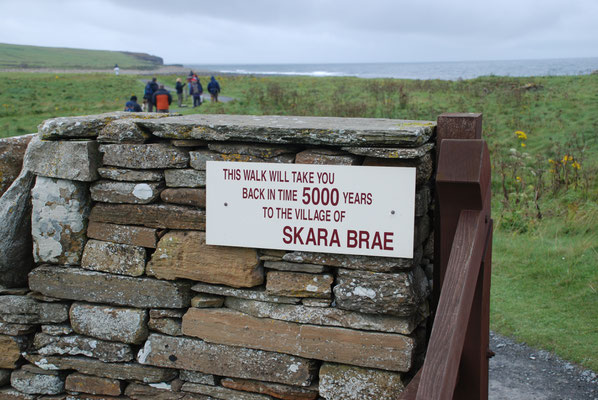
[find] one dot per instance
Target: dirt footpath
(518, 372)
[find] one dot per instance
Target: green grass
(20, 56)
(545, 275)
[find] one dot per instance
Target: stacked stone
(128, 301)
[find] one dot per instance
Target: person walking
(162, 100)
(179, 91)
(116, 69)
(148, 94)
(132, 105)
(214, 89)
(196, 91)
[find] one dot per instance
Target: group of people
(156, 96)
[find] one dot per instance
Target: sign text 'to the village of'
(324, 208)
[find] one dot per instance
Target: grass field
(545, 194)
(19, 56)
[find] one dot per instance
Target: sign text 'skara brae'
(327, 208)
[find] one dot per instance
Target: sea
(418, 70)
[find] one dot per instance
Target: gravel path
(518, 372)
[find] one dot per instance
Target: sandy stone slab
(221, 392)
(10, 350)
(367, 263)
(184, 196)
(311, 302)
(322, 316)
(326, 157)
(151, 215)
(397, 294)
(368, 349)
(124, 234)
(127, 325)
(238, 362)
(26, 310)
(116, 258)
(345, 382)
(184, 254)
(144, 156)
(294, 130)
(89, 366)
(42, 382)
(391, 152)
(125, 192)
(59, 220)
(207, 301)
(185, 178)
(275, 390)
(79, 284)
(166, 313)
(130, 175)
(75, 161)
(75, 345)
(77, 382)
(122, 131)
(199, 158)
(298, 284)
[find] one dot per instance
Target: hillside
(20, 56)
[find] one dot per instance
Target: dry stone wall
(125, 300)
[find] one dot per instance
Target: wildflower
(566, 158)
(57, 77)
(550, 160)
(522, 144)
(521, 135)
(518, 179)
(576, 165)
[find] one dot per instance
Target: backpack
(148, 92)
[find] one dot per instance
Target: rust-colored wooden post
(449, 126)
(473, 369)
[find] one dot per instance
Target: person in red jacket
(162, 100)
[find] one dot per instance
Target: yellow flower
(567, 158)
(518, 179)
(522, 144)
(521, 135)
(56, 76)
(550, 160)
(576, 165)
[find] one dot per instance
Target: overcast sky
(310, 31)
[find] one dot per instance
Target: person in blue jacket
(214, 89)
(132, 105)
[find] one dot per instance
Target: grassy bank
(20, 56)
(545, 276)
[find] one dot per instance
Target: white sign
(322, 208)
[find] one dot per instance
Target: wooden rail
(456, 363)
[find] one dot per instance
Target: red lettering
(377, 241)
(322, 236)
(288, 238)
(364, 236)
(297, 235)
(310, 237)
(388, 240)
(334, 239)
(351, 239)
